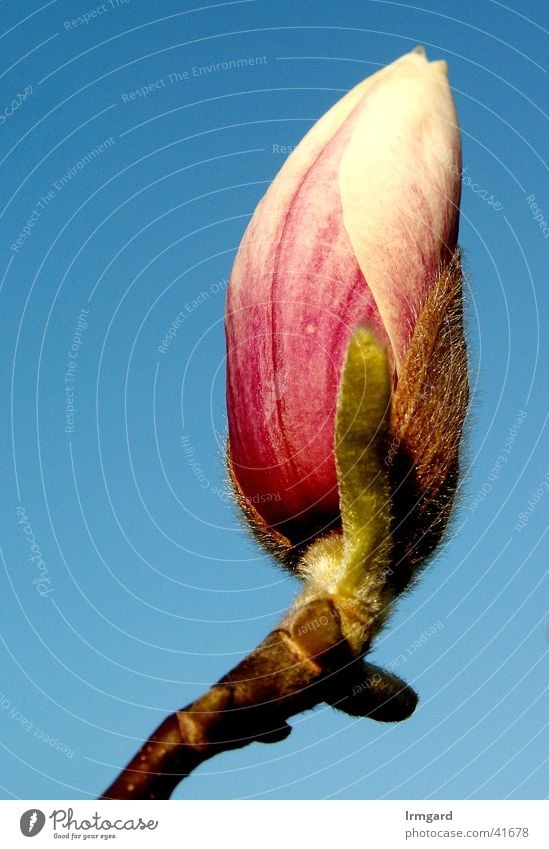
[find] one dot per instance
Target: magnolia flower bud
(358, 229)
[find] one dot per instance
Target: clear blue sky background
(156, 589)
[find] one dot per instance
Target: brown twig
(303, 662)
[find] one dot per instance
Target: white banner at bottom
(276, 824)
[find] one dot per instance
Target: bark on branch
(303, 662)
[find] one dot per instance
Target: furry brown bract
(427, 415)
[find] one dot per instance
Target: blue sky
(121, 212)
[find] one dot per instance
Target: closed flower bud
(358, 230)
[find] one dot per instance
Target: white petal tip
(440, 66)
(420, 50)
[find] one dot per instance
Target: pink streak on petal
(297, 296)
